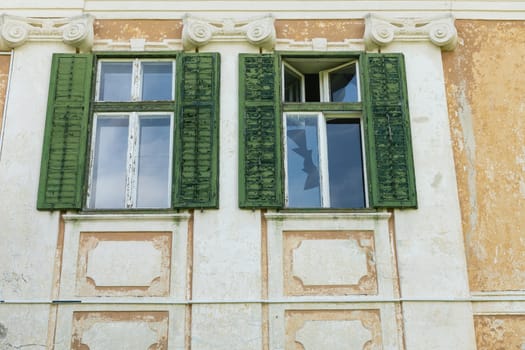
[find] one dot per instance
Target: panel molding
(299, 322)
(335, 279)
(98, 326)
(95, 280)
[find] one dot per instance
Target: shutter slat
(196, 150)
(389, 146)
(65, 138)
(260, 169)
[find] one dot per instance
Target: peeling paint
(487, 120)
(500, 332)
(150, 30)
(4, 74)
(333, 30)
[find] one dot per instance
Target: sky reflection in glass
(153, 163)
(302, 161)
(157, 81)
(115, 81)
(109, 168)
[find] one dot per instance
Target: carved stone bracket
(381, 31)
(75, 31)
(198, 32)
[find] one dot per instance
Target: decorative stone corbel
(74, 31)
(381, 31)
(198, 32)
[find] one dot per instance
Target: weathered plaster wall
(500, 332)
(4, 75)
(150, 30)
(333, 30)
(485, 89)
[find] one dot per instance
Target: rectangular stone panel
(329, 263)
(124, 264)
(130, 330)
(333, 329)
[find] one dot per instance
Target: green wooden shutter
(65, 140)
(260, 168)
(196, 152)
(387, 123)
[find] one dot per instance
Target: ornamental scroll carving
(75, 31)
(381, 31)
(198, 32)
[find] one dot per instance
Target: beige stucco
(500, 332)
(150, 30)
(4, 74)
(333, 30)
(485, 89)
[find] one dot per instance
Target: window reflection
(153, 164)
(343, 85)
(303, 161)
(345, 164)
(109, 168)
(115, 81)
(157, 81)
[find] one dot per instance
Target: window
(323, 150)
(131, 132)
(131, 152)
(324, 130)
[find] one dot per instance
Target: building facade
(262, 175)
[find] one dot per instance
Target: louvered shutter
(65, 139)
(388, 141)
(196, 152)
(260, 173)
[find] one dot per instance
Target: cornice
(381, 31)
(197, 32)
(75, 31)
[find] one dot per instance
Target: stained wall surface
(4, 75)
(485, 89)
(500, 332)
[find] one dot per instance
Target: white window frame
(136, 76)
(288, 66)
(324, 92)
(132, 157)
(324, 81)
(322, 142)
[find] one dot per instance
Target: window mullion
(364, 160)
(324, 83)
(137, 72)
(285, 159)
(132, 166)
(323, 162)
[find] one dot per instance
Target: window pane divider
(322, 106)
(144, 106)
(323, 161)
(131, 182)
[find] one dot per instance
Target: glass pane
(153, 190)
(157, 81)
(115, 81)
(343, 84)
(345, 164)
(303, 161)
(108, 185)
(292, 86)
